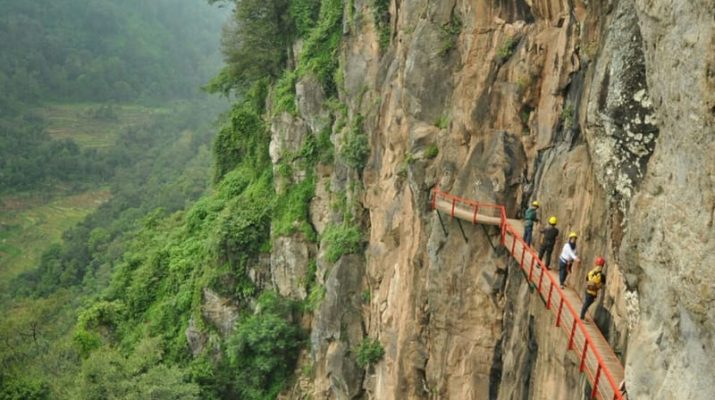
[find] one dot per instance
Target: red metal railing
(592, 362)
(474, 208)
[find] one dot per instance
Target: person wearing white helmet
(567, 258)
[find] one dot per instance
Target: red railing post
(595, 382)
(454, 202)
(573, 330)
(513, 243)
(583, 355)
(541, 279)
(561, 307)
(502, 214)
(551, 289)
(474, 217)
(531, 268)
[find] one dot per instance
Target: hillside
(316, 266)
(87, 153)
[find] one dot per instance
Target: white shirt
(567, 254)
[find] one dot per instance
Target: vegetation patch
(381, 15)
(506, 49)
(442, 122)
(450, 33)
(315, 297)
(340, 240)
(320, 51)
(567, 116)
(355, 148)
(431, 151)
(285, 94)
(264, 349)
(366, 296)
(304, 14)
(291, 213)
(369, 352)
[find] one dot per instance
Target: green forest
(105, 50)
(92, 51)
(105, 312)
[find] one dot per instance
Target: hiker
(594, 280)
(530, 217)
(567, 258)
(548, 240)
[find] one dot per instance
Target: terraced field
(29, 225)
(92, 124)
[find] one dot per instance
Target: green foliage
(239, 140)
(24, 388)
(86, 342)
(340, 240)
(506, 49)
(108, 375)
(291, 213)
(318, 21)
(106, 50)
(263, 350)
(29, 158)
(369, 352)
(162, 164)
(102, 316)
(285, 93)
(431, 151)
(315, 297)
(567, 116)
(156, 261)
(243, 225)
(320, 51)
(442, 122)
(355, 149)
(381, 15)
(449, 34)
(405, 164)
(325, 148)
(304, 14)
(254, 44)
(366, 296)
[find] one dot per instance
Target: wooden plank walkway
(594, 355)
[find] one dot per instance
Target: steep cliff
(603, 110)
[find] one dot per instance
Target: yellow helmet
(535, 203)
(573, 235)
(552, 220)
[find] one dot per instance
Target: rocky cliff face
(603, 110)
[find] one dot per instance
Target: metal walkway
(596, 358)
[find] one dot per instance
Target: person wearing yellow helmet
(567, 258)
(548, 240)
(530, 216)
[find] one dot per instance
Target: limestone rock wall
(603, 110)
(670, 241)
